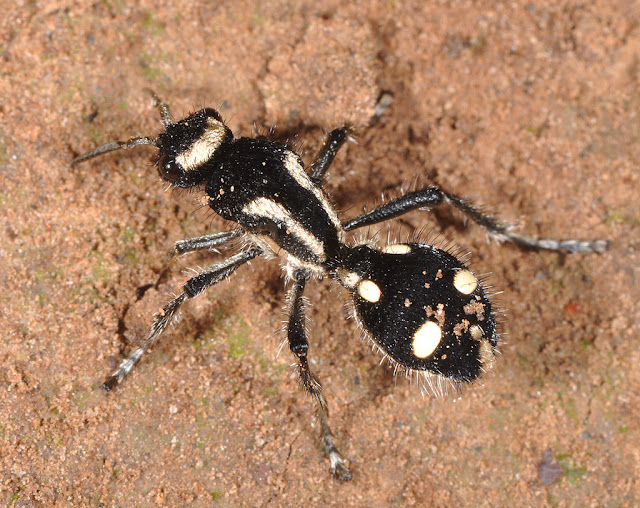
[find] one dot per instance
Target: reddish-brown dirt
(528, 108)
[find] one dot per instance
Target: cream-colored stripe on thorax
(294, 167)
(269, 209)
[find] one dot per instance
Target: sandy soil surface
(529, 108)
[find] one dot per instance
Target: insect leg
(192, 288)
(320, 165)
(207, 242)
(299, 346)
(433, 196)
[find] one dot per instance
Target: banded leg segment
(192, 288)
(433, 196)
(299, 346)
(207, 242)
(319, 167)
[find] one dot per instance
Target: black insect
(420, 306)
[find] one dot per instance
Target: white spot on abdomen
(426, 339)
(369, 290)
(397, 248)
(465, 282)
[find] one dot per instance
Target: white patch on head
(369, 290)
(465, 282)
(476, 332)
(397, 248)
(426, 339)
(203, 148)
(294, 167)
(268, 209)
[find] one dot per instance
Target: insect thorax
(262, 185)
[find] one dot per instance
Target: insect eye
(426, 311)
(169, 169)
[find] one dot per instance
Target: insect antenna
(115, 145)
